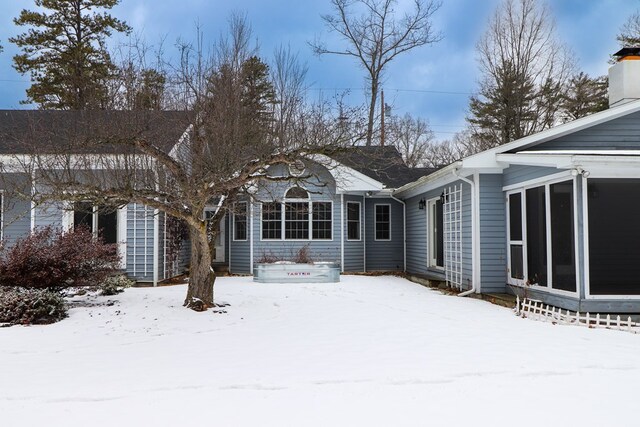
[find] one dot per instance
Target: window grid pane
(321, 220)
(271, 221)
(383, 226)
(296, 220)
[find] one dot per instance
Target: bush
(22, 306)
(52, 259)
(115, 284)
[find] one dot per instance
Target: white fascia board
(486, 158)
(348, 180)
(570, 160)
(437, 179)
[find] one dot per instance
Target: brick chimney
(624, 77)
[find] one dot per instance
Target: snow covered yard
(367, 351)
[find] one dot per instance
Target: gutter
(404, 232)
(475, 235)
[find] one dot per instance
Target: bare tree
(226, 144)
(412, 137)
(629, 35)
(375, 35)
(524, 69)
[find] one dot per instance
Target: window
(383, 222)
(240, 221)
(297, 218)
(100, 220)
(321, 221)
(353, 221)
(542, 236)
(271, 221)
(436, 233)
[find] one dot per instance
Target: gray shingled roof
(383, 164)
(23, 131)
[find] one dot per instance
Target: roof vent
(624, 77)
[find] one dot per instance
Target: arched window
(296, 193)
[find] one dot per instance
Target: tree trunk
(201, 275)
(372, 110)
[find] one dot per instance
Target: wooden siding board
(618, 134)
(385, 255)
(493, 239)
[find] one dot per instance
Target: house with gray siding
(552, 216)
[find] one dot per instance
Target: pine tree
(64, 51)
(584, 95)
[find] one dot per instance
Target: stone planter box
(328, 272)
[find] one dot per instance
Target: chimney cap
(627, 51)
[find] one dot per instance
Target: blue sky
(432, 82)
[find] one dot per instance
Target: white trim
(510, 279)
(121, 233)
(375, 222)
(233, 223)
(404, 233)
(310, 201)
(546, 184)
(432, 251)
(359, 221)
(536, 182)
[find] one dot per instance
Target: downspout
(404, 232)
(475, 241)
(342, 232)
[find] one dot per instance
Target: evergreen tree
(584, 95)
(64, 51)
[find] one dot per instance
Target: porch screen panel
(536, 236)
(614, 236)
(563, 267)
(515, 236)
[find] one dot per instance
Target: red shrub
(51, 259)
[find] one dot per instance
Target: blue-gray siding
(493, 238)
(515, 174)
(321, 187)
(384, 255)
(619, 134)
(417, 239)
(16, 219)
